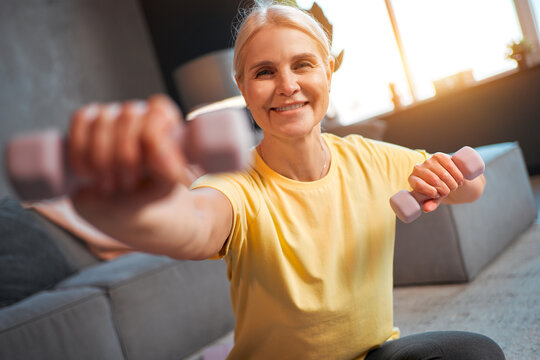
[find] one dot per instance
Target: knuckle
(431, 178)
(442, 157)
(165, 106)
(447, 178)
(444, 191)
(428, 190)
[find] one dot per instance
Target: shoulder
(240, 188)
(373, 148)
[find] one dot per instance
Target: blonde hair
(270, 13)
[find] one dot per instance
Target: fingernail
(113, 110)
(91, 111)
(140, 107)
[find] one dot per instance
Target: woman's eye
(262, 72)
(304, 65)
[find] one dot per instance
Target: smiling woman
(306, 230)
(285, 83)
(310, 248)
(284, 69)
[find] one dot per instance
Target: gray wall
(57, 55)
(184, 30)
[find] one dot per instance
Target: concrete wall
(504, 109)
(56, 55)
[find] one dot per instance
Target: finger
(445, 182)
(79, 140)
(102, 147)
(128, 157)
(447, 171)
(164, 104)
(424, 181)
(431, 205)
(163, 154)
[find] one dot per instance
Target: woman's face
(286, 81)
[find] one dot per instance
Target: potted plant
(518, 51)
(317, 12)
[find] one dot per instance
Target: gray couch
(138, 306)
(455, 242)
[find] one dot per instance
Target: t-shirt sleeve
(236, 188)
(396, 162)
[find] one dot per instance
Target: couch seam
(122, 282)
(114, 323)
(58, 309)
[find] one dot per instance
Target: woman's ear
(241, 88)
(330, 70)
(239, 84)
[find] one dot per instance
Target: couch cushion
(59, 324)
(29, 259)
(72, 247)
(163, 309)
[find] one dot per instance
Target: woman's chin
(298, 131)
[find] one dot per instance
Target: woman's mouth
(288, 107)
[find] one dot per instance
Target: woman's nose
(287, 84)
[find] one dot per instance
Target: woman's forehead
(276, 41)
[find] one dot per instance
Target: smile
(289, 107)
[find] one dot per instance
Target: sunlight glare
(440, 38)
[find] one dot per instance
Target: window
(360, 88)
(444, 37)
(439, 38)
(535, 7)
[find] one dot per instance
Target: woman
(307, 232)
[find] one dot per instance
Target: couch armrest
(59, 324)
(455, 242)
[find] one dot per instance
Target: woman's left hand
(440, 179)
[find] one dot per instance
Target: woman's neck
(307, 159)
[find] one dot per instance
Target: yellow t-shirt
(310, 263)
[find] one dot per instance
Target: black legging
(439, 345)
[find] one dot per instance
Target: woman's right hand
(137, 180)
(120, 146)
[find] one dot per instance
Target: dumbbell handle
(36, 163)
(408, 204)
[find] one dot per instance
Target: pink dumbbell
(36, 163)
(408, 205)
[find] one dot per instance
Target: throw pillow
(29, 259)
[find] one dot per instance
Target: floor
(502, 302)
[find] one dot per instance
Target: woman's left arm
(470, 191)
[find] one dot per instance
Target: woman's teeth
(290, 107)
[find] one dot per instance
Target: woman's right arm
(137, 180)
